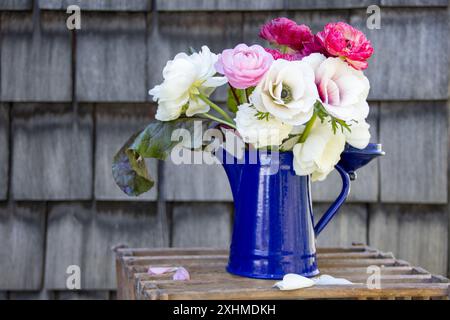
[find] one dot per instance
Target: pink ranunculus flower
(244, 66)
(342, 40)
(277, 54)
(285, 32)
(314, 46)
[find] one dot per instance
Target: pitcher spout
(352, 158)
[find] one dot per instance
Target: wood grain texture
(115, 123)
(196, 182)
(61, 147)
(82, 295)
(365, 188)
(414, 3)
(79, 234)
(13, 5)
(414, 136)
(4, 150)
(208, 5)
(416, 233)
(201, 225)
(174, 32)
(316, 20)
(347, 227)
(31, 295)
(324, 4)
(111, 57)
(22, 235)
(35, 61)
(97, 5)
(423, 34)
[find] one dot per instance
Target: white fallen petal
(326, 279)
(293, 281)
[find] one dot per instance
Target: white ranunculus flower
(260, 133)
(320, 152)
(342, 89)
(359, 136)
(184, 78)
(287, 92)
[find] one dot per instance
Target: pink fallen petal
(181, 274)
(160, 270)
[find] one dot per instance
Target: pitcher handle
(335, 206)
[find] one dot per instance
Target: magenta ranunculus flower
(277, 54)
(244, 66)
(285, 32)
(342, 40)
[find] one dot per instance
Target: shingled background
(69, 99)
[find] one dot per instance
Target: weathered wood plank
(4, 150)
(365, 187)
(82, 295)
(414, 136)
(114, 125)
(97, 5)
(79, 234)
(347, 227)
(201, 225)
(35, 62)
(423, 35)
(31, 295)
(414, 3)
(13, 5)
(111, 57)
(61, 147)
(3, 295)
(174, 32)
(324, 4)
(416, 233)
(22, 235)
(316, 20)
(226, 5)
(195, 182)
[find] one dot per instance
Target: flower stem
(236, 97)
(219, 120)
(216, 107)
(247, 95)
(308, 128)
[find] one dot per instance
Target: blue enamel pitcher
(274, 232)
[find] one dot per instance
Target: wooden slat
(348, 226)
(3, 295)
(365, 187)
(391, 74)
(196, 182)
(35, 61)
(82, 295)
(413, 3)
(31, 295)
(97, 5)
(13, 5)
(325, 292)
(111, 57)
(324, 4)
(201, 224)
(414, 168)
(83, 235)
(416, 233)
(207, 5)
(61, 145)
(115, 123)
(4, 150)
(22, 235)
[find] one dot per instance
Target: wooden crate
(209, 280)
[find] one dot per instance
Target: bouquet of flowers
(305, 94)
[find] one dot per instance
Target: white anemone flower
(186, 77)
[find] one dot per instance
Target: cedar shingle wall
(69, 100)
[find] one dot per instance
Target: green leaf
(155, 141)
